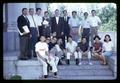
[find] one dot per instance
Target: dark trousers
(46, 31)
(24, 47)
(33, 41)
(86, 33)
(94, 31)
(40, 28)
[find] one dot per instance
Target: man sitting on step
(71, 50)
(83, 50)
(45, 57)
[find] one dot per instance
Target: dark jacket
(58, 28)
(22, 21)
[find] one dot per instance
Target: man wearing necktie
(33, 29)
(66, 28)
(57, 24)
(24, 39)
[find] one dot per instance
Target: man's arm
(41, 57)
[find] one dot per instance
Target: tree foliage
(108, 17)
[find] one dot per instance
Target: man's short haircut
(93, 11)
(74, 12)
(38, 9)
(24, 9)
(85, 13)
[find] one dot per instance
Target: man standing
(66, 27)
(46, 24)
(74, 24)
(57, 24)
(24, 39)
(95, 23)
(85, 25)
(39, 21)
(34, 32)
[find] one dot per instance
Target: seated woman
(107, 46)
(97, 49)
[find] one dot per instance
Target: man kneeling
(43, 56)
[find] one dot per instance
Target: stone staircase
(85, 71)
(32, 69)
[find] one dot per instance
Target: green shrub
(16, 77)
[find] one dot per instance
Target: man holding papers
(23, 29)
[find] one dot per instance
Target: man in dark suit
(66, 28)
(24, 39)
(57, 24)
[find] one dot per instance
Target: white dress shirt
(85, 23)
(71, 46)
(57, 19)
(38, 20)
(73, 22)
(32, 20)
(41, 48)
(94, 20)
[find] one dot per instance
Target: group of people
(53, 38)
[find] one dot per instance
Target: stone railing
(112, 62)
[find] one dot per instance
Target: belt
(75, 27)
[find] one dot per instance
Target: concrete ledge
(27, 69)
(112, 62)
(9, 66)
(30, 69)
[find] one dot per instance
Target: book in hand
(45, 22)
(26, 30)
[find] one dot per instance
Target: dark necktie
(65, 18)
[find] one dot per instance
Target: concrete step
(85, 62)
(86, 77)
(83, 67)
(104, 72)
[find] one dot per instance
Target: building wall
(10, 15)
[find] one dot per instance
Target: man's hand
(62, 33)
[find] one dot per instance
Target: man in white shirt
(44, 57)
(85, 26)
(39, 21)
(34, 32)
(95, 23)
(71, 50)
(74, 24)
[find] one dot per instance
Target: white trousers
(77, 55)
(53, 62)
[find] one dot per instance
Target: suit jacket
(22, 21)
(58, 28)
(66, 27)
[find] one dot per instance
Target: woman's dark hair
(97, 37)
(106, 36)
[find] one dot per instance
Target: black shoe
(77, 61)
(68, 62)
(45, 76)
(55, 75)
